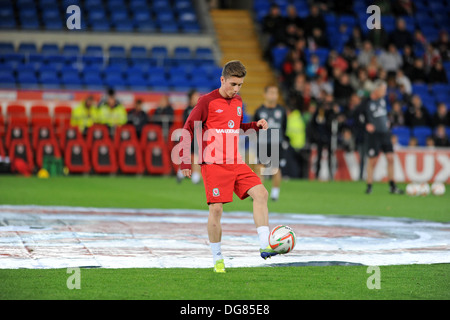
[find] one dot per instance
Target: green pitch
(331, 282)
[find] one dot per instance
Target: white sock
(275, 193)
(263, 234)
(180, 174)
(195, 177)
(216, 252)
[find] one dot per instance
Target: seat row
(97, 152)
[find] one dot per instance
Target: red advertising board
(410, 165)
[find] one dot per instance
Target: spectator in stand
(112, 112)
(431, 57)
(366, 54)
(408, 58)
(401, 37)
(317, 39)
(417, 115)
(403, 7)
(442, 116)
(378, 37)
(290, 72)
(390, 59)
(314, 20)
(164, 114)
(418, 74)
(293, 18)
(374, 69)
(312, 69)
(357, 39)
(429, 142)
(321, 83)
(403, 81)
(413, 142)
(420, 42)
(437, 74)
(342, 89)
(291, 35)
(84, 115)
(337, 61)
(137, 117)
(440, 137)
(361, 82)
(443, 46)
(393, 90)
(273, 29)
(396, 116)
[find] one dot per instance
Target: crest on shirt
(216, 192)
(239, 110)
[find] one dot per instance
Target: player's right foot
(369, 189)
(219, 266)
(267, 252)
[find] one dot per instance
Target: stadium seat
(15, 132)
(130, 158)
(68, 133)
(76, 157)
(403, 134)
(47, 147)
(42, 132)
(96, 132)
(125, 133)
(40, 115)
(104, 156)
(61, 117)
(151, 133)
(421, 133)
(21, 149)
(15, 109)
(157, 160)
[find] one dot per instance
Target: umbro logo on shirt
(219, 110)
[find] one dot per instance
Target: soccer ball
(412, 189)
(282, 239)
(438, 188)
(424, 189)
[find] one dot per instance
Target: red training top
(220, 120)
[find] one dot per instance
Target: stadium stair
(238, 40)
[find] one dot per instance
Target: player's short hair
(234, 68)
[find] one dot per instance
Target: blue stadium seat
(403, 134)
(279, 54)
(7, 81)
(138, 52)
(27, 48)
(421, 133)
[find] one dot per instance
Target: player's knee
(261, 194)
(215, 209)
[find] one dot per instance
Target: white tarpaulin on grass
(61, 237)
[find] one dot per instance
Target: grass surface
(346, 198)
(287, 283)
(331, 282)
